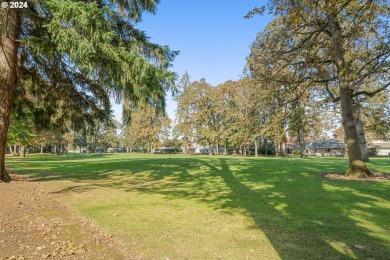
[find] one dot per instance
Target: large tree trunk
(301, 140)
(63, 148)
(362, 139)
(357, 167)
(185, 145)
(361, 135)
(282, 148)
(277, 146)
(9, 35)
(22, 151)
(256, 147)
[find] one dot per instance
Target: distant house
(291, 147)
(167, 150)
(194, 148)
(202, 150)
(331, 147)
(379, 147)
(336, 147)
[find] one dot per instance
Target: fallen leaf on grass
(360, 246)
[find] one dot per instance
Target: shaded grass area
(201, 207)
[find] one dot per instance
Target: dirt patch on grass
(341, 176)
(33, 225)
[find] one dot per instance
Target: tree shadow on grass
(303, 215)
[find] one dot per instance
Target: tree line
(251, 115)
(239, 115)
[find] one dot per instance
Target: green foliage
(74, 55)
(103, 135)
(238, 113)
(296, 52)
(147, 129)
(21, 132)
(80, 141)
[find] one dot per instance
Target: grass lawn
(200, 207)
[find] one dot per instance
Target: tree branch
(370, 94)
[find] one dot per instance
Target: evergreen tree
(70, 56)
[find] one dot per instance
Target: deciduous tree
(326, 34)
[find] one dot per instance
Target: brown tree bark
(256, 147)
(185, 145)
(361, 135)
(357, 167)
(362, 139)
(301, 140)
(22, 152)
(282, 148)
(9, 34)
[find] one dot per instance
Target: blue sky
(212, 36)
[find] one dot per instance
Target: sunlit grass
(202, 207)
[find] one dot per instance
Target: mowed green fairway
(200, 207)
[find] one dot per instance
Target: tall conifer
(66, 58)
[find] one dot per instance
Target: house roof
(378, 145)
(331, 143)
(292, 146)
(335, 143)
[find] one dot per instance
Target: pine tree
(71, 56)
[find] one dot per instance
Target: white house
(379, 147)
